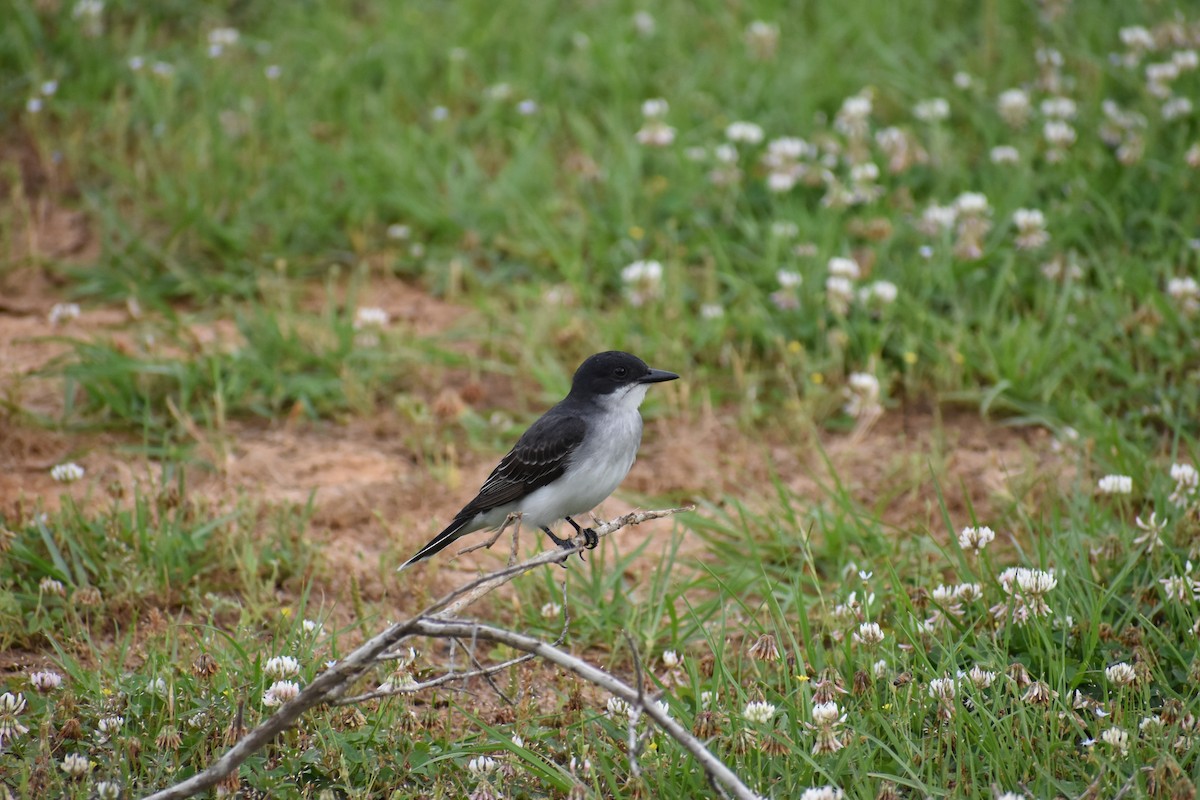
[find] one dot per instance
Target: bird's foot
(590, 539)
(565, 544)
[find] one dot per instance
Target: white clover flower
(108, 790)
(1187, 484)
(744, 132)
(1059, 108)
(90, 14)
(844, 267)
(1031, 228)
(933, 110)
(866, 172)
(1120, 674)
(863, 391)
(822, 793)
(762, 39)
(839, 292)
(825, 714)
(11, 707)
(655, 133)
(75, 765)
(517, 740)
(281, 692)
(34, 105)
(1116, 738)
(880, 292)
(398, 231)
(1186, 59)
(158, 687)
(707, 699)
(45, 682)
(1115, 484)
(759, 712)
(1136, 37)
(671, 659)
(972, 204)
(1059, 134)
(370, 317)
(655, 108)
(67, 473)
(48, 585)
(852, 118)
(976, 539)
(482, 766)
(272, 72)
(1185, 291)
(1027, 590)
(962, 80)
(1176, 107)
(880, 668)
(223, 37)
(643, 281)
(645, 24)
(942, 689)
(938, 219)
(281, 667)
(869, 634)
(789, 279)
(1014, 107)
(968, 592)
(618, 708)
(1161, 73)
(311, 626)
(439, 113)
(1004, 154)
(527, 107)
(110, 725)
(135, 63)
(63, 312)
(980, 678)
(551, 610)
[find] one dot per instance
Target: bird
(569, 460)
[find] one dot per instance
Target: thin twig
(513, 519)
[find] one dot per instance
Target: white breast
(598, 467)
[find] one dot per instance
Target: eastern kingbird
(570, 459)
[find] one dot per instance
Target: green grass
(227, 192)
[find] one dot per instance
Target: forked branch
(331, 686)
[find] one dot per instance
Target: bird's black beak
(658, 376)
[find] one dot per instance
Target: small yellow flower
(817, 378)
(657, 185)
(887, 706)
(957, 357)
(795, 347)
(910, 357)
(285, 612)
(637, 233)
(802, 678)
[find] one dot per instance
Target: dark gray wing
(539, 457)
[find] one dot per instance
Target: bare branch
(331, 685)
(713, 766)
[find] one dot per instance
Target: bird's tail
(453, 531)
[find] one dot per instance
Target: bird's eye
(620, 372)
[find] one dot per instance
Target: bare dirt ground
(376, 500)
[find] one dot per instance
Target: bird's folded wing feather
(538, 458)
